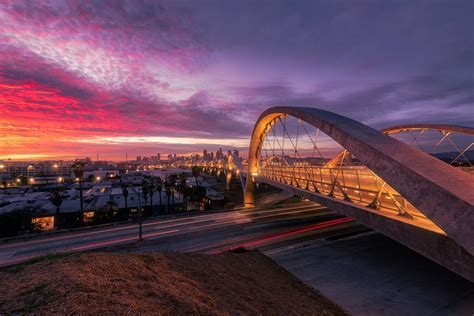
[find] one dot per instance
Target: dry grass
(159, 284)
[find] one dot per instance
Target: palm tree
(23, 180)
(145, 190)
(4, 184)
(78, 169)
(159, 187)
(56, 199)
(201, 194)
(168, 194)
(173, 178)
(125, 195)
(196, 173)
(111, 203)
(151, 191)
(197, 194)
(183, 180)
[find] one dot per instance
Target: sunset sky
(80, 78)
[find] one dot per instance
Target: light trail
(227, 221)
(116, 241)
(289, 233)
(233, 221)
(201, 219)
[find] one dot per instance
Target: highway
(203, 233)
(363, 271)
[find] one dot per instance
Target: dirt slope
(158, 283)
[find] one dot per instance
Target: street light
(28, 170)
(78, 169)
(139, 215)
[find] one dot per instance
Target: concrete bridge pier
(228, 179)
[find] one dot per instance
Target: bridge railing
(354, 184)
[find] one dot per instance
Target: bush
(18, 222)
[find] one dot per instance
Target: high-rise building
(139, 158)
(204, 154)
(158, 157)
(219, 154)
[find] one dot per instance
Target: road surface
(205, 233)
(363, 271)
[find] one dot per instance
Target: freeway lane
(206, 233)
(366, 273)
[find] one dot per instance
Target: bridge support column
(228, 179)
(249, 200)
(439, 248)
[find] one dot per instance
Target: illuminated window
(43, 223)
(88, 216)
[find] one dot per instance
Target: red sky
(80, 78)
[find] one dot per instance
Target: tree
(196, 173)
(201, 194)
(173, 178)
(111, 205)
(197, 194)
(183, 188)
(18, 221)
(168, 194)
(125, 195)
(145, 190)
(159, 187)
(56, 199)
(23, 180)
(196, 170)
(151, 191)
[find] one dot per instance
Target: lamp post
(28, 170)
(78, 169)
(139, 215)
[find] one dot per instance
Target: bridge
(392, 186)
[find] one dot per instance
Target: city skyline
(267, 157)
(78, 78)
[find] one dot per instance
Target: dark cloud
(209, 68)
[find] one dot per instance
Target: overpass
(384, 183)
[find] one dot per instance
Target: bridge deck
(358, 185)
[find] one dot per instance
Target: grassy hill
(158, 284)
